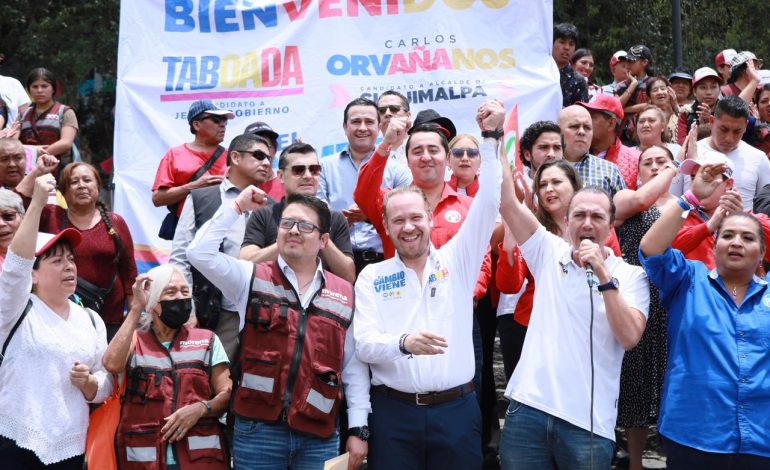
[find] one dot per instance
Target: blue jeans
(535, 440)
(264, 446)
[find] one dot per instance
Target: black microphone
(589, 275)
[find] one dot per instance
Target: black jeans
(13, 457)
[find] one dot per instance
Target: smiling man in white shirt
(413, 323)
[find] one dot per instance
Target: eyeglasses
(394, 108)
(17, 159)
(302, 226)
(458, 152)
(215, 119)
(299, 170)
(9, 216)
(258, 154)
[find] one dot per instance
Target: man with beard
(339, 175)
(414, 316)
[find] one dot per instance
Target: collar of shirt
(446, 194)
(318, 280)
(470, 190)
(347, 154)
(757, 283)
(430, 263)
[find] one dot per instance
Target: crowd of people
(316, 306)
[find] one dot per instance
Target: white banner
(295, 65)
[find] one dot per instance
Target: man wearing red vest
(297, 350)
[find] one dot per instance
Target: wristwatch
(496, 134)
(612, 285)
(361, 432)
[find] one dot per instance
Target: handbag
(103, 423)
(168, 226)
(92, 296)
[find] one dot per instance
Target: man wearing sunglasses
(249, 165)
(393, 104)
(297, 347)
(272, 187)
(173, 181)
(299, 172)
(339, 176)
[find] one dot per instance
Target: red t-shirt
(273, 188)
(180, 163)
(94, 255)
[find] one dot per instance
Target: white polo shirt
(554, 372)
(392, 301)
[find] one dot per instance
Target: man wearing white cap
(619, 70)
(752, 168)
(193, 165)
(744, 76)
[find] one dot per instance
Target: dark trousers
(13, 457)
(484, 331)
(512, 335)
(680, 457)
(407, 436)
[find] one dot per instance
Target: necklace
(302, 289)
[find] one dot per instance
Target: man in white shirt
(752, 168)
(564, 390)
(297, 345)
(14, 96)
(413, 322)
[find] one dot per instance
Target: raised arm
(516, 215)
(629, 202)
(666, 228)
(116, 356)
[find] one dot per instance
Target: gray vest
(206, 201)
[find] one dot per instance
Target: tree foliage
(707, 28)
(75, 39)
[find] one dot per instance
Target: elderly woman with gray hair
(169, 412)
(11, 212)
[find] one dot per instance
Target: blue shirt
(339, 175)
(716, 393)
(597, 172)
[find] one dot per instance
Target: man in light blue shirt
(339, 175)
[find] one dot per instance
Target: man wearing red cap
(606, 115)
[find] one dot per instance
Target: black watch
(612, 285)
(496, 134)
(361, 432)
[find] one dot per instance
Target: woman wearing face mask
(169, 412)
